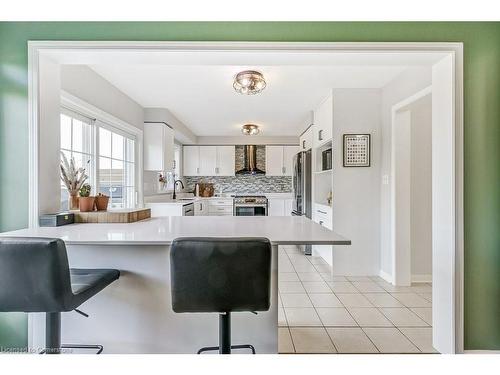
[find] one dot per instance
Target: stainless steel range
(250, 205)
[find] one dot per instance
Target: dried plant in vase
(86, 202)
(73, 178)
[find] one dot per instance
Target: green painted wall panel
(481, 132)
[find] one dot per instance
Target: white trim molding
(71, 50)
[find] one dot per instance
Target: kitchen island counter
(281, 230)
(134, 314)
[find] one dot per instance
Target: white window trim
(110, 122)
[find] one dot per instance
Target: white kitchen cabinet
(225, 161)
(323, 122)
(279, 207)
(201, 207)
(191, 160)
(208, 160)
(288, 207)
(279, 160)
(288, 153)
(275, 207)
(158, 147)
(220, 207)
(323, 216)
(306, 139)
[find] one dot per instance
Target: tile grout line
(314, 307)
(379, 309)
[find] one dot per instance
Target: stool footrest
(212, 348)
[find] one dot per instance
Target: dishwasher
(188, 209)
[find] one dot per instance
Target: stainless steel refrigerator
(301, 183)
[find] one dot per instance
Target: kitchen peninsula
(134, 314)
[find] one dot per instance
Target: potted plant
(86, 202)
(73, 178)
(101, 202)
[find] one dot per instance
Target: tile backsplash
(244, 184)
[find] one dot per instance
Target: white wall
(182, 132)
(356, 191)
(49, 188)
(409, 82)
(421, 188)
(84, 83)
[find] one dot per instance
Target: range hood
(250, 157)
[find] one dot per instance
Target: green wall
(482, 128)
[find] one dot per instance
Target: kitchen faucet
(174, 196)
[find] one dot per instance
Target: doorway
(446, 188)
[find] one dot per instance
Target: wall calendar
(356, 150)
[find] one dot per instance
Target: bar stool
(35, 277)
(221, 275)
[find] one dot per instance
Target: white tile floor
(321, 313)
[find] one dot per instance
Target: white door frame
(401, 274)
(36, 48)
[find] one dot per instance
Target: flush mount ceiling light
(249, 82)
(250, 129)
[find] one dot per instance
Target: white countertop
(280, 230)
(166, 199)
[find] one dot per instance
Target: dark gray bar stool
(35, 277)
(221, 275)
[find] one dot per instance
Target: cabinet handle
(283, 169)
(304, 145)
(322, 212)
(320, 135)
(321, 222)
(197, 169)
(173, 164)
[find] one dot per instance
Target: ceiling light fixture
(250, 129)
(249, 82)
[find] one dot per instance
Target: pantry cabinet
(306, 139)
(323, 122)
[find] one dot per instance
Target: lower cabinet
(220, 207)
(201, 208)
(279, 207)
(323, 216)
(165, 209)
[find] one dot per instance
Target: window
(76, 142)
(116, 168)
(107, 153)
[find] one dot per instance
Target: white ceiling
(197, 87)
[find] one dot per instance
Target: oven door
(246, 210)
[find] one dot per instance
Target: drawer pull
(303, 145)
(321, 222)
(322, 212)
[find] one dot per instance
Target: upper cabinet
(158, 147)
(279, 160)
(191, 160)
(306, 139)
(323, 122)
(225, 161)
(208, 160)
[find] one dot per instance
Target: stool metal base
(53, 337)
(211, 348)
(225, 337)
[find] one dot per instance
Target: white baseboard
(481, 351)
(386, 276)
(421, 278)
